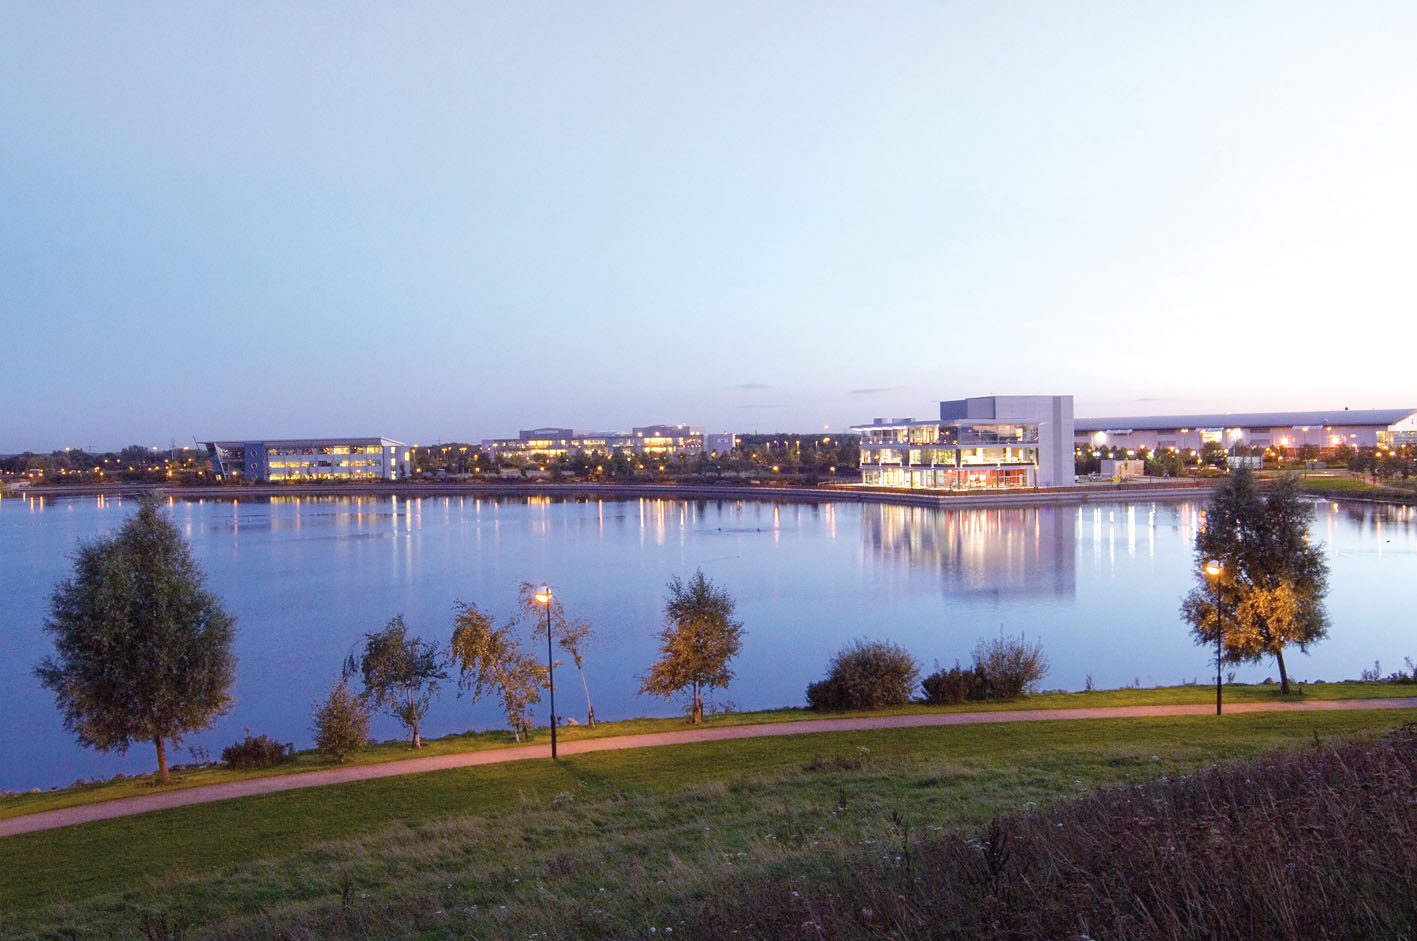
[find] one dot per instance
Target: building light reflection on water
(980, 552)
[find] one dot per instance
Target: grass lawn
(28, 803)
(1338, 484)
(608, 843)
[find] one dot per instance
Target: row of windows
(950, 457)
(345, 463)
(995, 478)
(323, 475)
(329, 449)
(953, 434)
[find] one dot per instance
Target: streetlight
(1214, 568)
(544, 597)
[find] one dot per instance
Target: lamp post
(544, 597)
(1215, 568)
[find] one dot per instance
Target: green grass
(1349, 484)
(1191, 694)
(657, 828)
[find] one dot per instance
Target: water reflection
(1010, 552)
(1099, 585)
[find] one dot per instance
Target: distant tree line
(133, 464)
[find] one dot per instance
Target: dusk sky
(453, 221)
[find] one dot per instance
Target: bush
(825, 695)
(866, 676)
(260, 751)
(341, 724)
(954, 686)
(1011, 667)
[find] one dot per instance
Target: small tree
(699, 639)
(490, 658)
(1269, 594)
(142, 651)
(400, 673)
(341, 723)
(1011, 667)
(571, 636)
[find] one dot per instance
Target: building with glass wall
(308, 459)
(997, 442)
(550, 444)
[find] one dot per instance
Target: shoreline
(831, 493)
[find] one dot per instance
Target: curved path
(123, 807)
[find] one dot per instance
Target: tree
(400, 673)
(571, 636)
(490, 658)
(341, 724)
(142, 650)
(1270, 592)
(699, 638)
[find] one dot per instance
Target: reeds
(1318, 843)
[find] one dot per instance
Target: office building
(307, 459)
(996, 442)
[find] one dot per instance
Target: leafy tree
(341, 723)
(400, 673)
(1270, 592)
(142, 650)
(571, 636)
(491, 659)
(697, 642)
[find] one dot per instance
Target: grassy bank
(611, 843)
(1191, 694)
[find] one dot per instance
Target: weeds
(1313, 843)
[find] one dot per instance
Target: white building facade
(997, 442)
(295, 460)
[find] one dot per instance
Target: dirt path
(69, 816)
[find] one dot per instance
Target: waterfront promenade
(107, 810)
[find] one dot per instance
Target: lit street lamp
(1214, 568)
(544, 597)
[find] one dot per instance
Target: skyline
(455, 222)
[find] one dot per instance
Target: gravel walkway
(106, 810)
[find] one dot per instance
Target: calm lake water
(1099, 585)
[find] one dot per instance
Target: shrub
(824, 695)
(953, 686)
(260, 751)
(341, 724)
(1011, 667)
(866, 676)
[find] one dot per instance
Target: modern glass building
(302, 459)
(997, 442)
(555, 443)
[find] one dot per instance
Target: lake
(1098, 585)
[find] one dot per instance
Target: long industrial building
(647, 441)
(1326, 430)
(302, 459)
